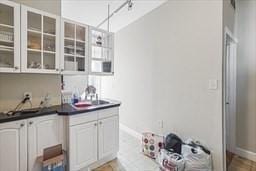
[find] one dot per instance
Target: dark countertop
(65, 109)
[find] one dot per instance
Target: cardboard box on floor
(52, 156)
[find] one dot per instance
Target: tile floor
(130, 157)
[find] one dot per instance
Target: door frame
(233, 41)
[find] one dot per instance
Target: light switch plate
(213, 85)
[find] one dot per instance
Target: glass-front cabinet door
(74, 58)
(9, 36)
(101, 52)
(40, 41)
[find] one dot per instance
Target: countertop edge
(61, 110)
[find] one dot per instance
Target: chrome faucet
(91, 92)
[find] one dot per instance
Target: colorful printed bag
(151, 144)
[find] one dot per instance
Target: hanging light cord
(130, 5)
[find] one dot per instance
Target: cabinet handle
(95, 124)
(30, 123)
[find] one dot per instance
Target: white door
(13, 146)
(40, 41)
(108, 136)
(43, 132)
(83, 145)
(9, 36)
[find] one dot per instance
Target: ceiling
(93, 12)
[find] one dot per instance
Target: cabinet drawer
(82, 118)
(108, 112)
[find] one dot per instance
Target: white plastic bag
(196, 158)
(170, 161)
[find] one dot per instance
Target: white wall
(94, 12)
(163, 63)
(246, 76)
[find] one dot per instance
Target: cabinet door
(40, 41)
(108, 136)
(82, 145)
(9, 36)
(74, 48)
(101, 52)
(13, 146)
(43, 132)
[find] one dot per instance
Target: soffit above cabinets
(93, 12)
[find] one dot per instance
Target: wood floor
(114, 165)
(236, 163)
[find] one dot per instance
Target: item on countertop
(83, 104)
(35, 65)
(196, 156)
(53, 159)
(151, 144)
(173, 143)
(6, 36)
(99, 40)
(106, 66)
(169, 161)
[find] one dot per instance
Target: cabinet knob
(62, 70)
(16, 68)
(22, 125)
(100, 123)
(30, 123)
(95, 124)
(57, 69)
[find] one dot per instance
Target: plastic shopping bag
(170, 161)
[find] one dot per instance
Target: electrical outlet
(27, 94)
(161, 124)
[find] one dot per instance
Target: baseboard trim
(246, 154)
(130, 131)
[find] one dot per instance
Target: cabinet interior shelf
(6, 49)
(34, 31)
(79, 56)
(49, 34)
(51, 52)
(101, 46)
(34, 50)
(101, 59)
(75, 40)
(6, 41)
(5, 25)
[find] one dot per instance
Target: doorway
(229, 98)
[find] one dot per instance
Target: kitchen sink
(99, 102)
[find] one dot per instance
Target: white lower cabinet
(108, 136)
(93, 137)
(13, 146)
(43, 132)
(83, 145)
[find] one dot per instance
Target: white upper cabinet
(40, 41)
(9, 36)
(101, 52)
(74, 47)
